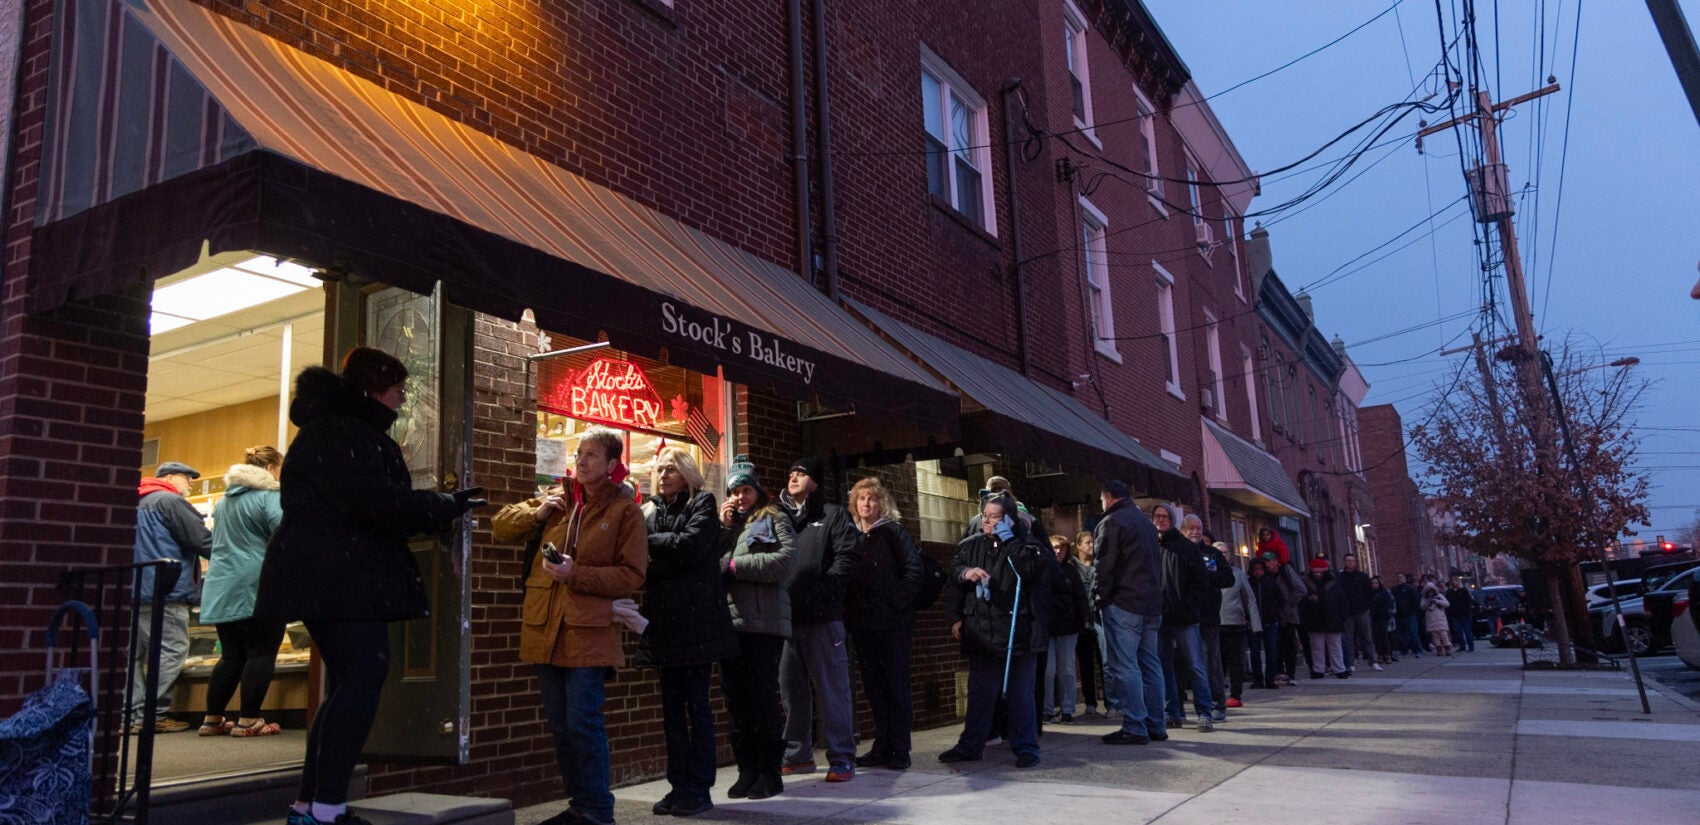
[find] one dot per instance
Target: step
(249, 796)
(436, 809)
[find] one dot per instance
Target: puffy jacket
(1434, 608)
(1129, 563)
(1239, 603)
(1406, 600)
(571, 623)
(243, 521)
(169, 527)
(684, 596)
(1358, 589)
(986, 624)
(1186, 581)
(1324, 609)
(827, 558)
(760, 551)
(1221, 575)
(349, 508)
(1271, 599)
(882, 593)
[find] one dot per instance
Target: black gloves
(469, 498)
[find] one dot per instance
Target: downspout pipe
(823, 148)
(1010, 88)
(800, 146)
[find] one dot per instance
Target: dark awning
(171, 127)
(1007, 412)
(1237, 469)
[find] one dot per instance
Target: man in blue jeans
(1185, 585)
(1129, 591)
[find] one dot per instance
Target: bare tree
(1513, 495)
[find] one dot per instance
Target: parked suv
(1599, 595)
(1502, 603)
(1645, 629)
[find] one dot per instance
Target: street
(1468, 740)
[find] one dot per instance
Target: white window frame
(980, 154)
(1213, 347)
(1166, 324)
(1231, 237)
(1148, 130)
(1100, 310)
(1194, 195)
(1080, 67)
(1250, 367)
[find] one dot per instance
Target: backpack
(932, 582)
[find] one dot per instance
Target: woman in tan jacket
(569, 629)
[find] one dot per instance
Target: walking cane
(1014, 613)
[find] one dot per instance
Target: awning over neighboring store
(1237, 469)
(171, 126)
(1013, 414)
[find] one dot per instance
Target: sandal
(260, 728)
(219, 728)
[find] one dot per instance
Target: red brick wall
(1399, 515)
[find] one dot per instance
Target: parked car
(1685, 629)
(1600, 594)
(1495, 606)
(1645, 629)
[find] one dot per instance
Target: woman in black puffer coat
(879, 610)
(339, 560)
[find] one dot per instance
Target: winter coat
(169, 527)
(684, 597)
(1434, 608)
(1129, 562)
(1282, 554)
(1186, 581)
(571, 623)
(827, 558)
(349, 508)
(1270, 597)
(882, 592)
(1357, 587)
(1089, 577)
(1071, 605)
(243, 521)
(759, 552)
(1460, 606)
(1239, 603)
(1292, 584)
(1324, 609)
(986, 624)
(1221, 575)
(1406, 600)
(1381, 607)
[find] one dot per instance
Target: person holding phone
(339, 561)
(568, 625)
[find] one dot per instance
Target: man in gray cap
(167, 527)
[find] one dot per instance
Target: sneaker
(1173, 722)
(872, 759)
(1027, 760)
(955, 755)
(794, 768)
(1234, 702)
(1316, 674)
(692, 807)
(1122, 737)
(1206, 726)
(664, 807)
(1068, 718)
(1091, 710)
(995, 740)
(1347, 675)
(300, 818)
(840, 773)
(1113, 714)
(898, 762)
(1220, 717)
(1375, 666)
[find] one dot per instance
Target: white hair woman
(879, 611)
(690, 627)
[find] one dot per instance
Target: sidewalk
(1467, 740)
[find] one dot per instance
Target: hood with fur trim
(241, 478)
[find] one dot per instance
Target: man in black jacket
(1186, 586)
(1406, 602)
(827, 558)
(1128, 591)
(986, 574)
(1359, 639)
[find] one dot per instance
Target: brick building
(1403, 528)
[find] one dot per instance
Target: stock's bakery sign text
(613, 392)
(717, 332)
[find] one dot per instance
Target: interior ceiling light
(248, 284)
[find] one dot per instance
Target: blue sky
(1609, 261)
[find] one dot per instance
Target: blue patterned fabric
(44, 756)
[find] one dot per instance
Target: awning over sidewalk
(1237, 469)
(171, 126)
(1013, 414)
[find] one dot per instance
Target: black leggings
(750, 682)
(356, 656)
(248, 655)
(1091, 674)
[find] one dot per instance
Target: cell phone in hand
(552, 553)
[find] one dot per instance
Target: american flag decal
(703, 433)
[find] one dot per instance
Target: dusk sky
(1607, 229)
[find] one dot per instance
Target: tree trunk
(1560, 624)
(1576, 610)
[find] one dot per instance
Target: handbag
(533, 546)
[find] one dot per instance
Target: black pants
(356, 656)
(751, 684)
(247, 657)
(1091, 680)
(883, 657)
(1289, 650)
(1378, 631)
(688, 721)
(1233, 657)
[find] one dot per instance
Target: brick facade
(1403, 531)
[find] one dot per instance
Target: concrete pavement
(1472, 739)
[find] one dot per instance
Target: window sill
(1089, 133)
(1175, 390)
(1107, 348)
(964, 221)
(1157, 204)
(662, 10)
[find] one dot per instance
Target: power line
(1563, 156)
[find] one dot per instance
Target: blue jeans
(173, 650)
(1112, 686)
(985, 679)
(1264, 664)
(1409, 639)
(1059, 674)
(1463, 635)
(572, 702)
(1133, 669)
(1184, 640)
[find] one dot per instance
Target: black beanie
(811, 467)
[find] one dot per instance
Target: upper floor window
(1248, 369)
(1215, 381)
(1231, 239)
(1094, 228)
(1166, 330)
(1079, 77)
(1147, 154)
(958, 154)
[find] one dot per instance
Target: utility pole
(1679, 44)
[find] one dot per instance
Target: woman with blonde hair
(879, 610)
(690, 627)
(243, 521)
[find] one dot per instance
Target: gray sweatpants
(817, 651)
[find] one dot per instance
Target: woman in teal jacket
(243, 522)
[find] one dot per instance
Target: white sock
(328, 813)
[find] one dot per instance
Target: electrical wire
(1563, 158)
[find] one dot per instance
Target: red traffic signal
(1667, 547)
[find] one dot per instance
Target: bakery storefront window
(655, 405)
